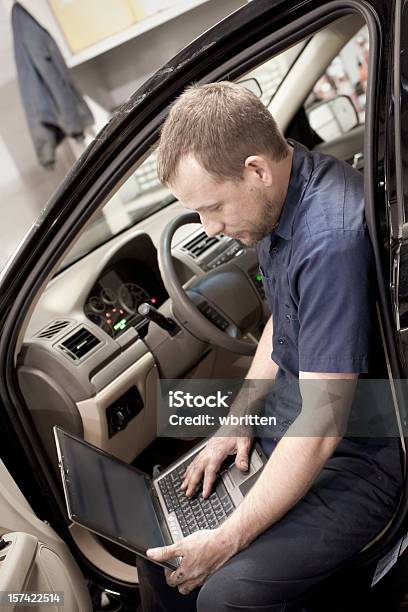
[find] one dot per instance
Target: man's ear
(260, 169)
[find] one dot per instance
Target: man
(319, 499)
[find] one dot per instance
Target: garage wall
(107, 81)
(128, 66)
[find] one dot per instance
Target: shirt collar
(302, 166)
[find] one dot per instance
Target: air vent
(201, 243)
(79, 344)
(53, 329)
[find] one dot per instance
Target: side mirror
(332, 118)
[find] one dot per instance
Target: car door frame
(398, 187)
(229, 49)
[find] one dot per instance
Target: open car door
(36, 567)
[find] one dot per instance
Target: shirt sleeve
(336, 289)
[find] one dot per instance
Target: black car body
(230, 50)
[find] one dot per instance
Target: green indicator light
(120, 324)
(258, 277)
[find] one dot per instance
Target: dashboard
(113, 301)
(95, 363)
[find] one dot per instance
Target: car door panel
(16, 561)
(36, 559)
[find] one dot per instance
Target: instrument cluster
(113, 302)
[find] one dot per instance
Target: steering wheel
(226, 295)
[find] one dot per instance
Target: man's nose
(212, 228)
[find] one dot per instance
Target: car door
(36, 566)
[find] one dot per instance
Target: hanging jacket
(53, 106)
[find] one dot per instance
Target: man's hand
(210, 458)
(202, 552)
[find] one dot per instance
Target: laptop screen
(107, 496)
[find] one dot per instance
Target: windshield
(271, 74)
(139, 197)
(142, 194)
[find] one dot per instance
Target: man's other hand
(208, 461)
(202, 552)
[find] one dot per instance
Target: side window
(324, 110)
(336, 104)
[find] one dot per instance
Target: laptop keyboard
(194, 513)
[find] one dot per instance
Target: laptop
(123, 504)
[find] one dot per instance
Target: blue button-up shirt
(320, 285)
(319, 281)
(318, 270)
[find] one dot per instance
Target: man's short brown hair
(221, 124)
